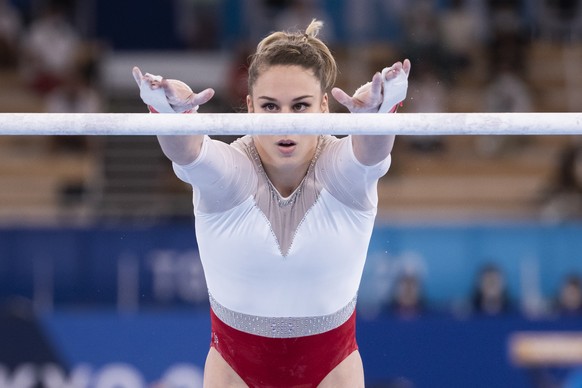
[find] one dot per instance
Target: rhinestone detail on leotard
(288, 201)
(283, 327)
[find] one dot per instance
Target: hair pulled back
(295, 48)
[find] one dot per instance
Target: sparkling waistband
(283, 327)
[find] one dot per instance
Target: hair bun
(313, 28)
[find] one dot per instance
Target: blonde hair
(295, 48)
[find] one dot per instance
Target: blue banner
(159, 265)
(127, 306)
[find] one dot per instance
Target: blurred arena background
(474, 271)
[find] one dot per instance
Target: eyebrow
(274, 99)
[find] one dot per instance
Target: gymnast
(283, 222)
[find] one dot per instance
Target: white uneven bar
(333, 123)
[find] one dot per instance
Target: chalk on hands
(394, 90)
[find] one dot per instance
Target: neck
(286, 179)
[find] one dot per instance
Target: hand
(168, 95)
(382, 94)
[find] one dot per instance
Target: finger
(376, 88)
(395, 80)
(406, 66)
(392, 71)
(137, 75)
(204, 96)
(168, 89)
(342, 97)
(154, 81)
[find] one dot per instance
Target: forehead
(286, 79)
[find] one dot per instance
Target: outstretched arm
(382, 94)
(173, 96)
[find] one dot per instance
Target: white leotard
(268, 256)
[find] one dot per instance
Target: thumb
(204, 96)
(342, 97)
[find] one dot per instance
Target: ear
(325, 103)
(250, 107)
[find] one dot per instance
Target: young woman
(283, 222)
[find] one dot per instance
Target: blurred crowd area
(467, 55)
(490, 296)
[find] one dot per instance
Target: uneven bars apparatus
(291, 123)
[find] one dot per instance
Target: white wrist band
(394, 90)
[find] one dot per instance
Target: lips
(286, 147)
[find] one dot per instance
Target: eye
(269, 107)
(300, 107)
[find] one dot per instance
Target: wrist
(192, 110)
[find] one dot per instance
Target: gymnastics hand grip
(155, 98)
(394, 90)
